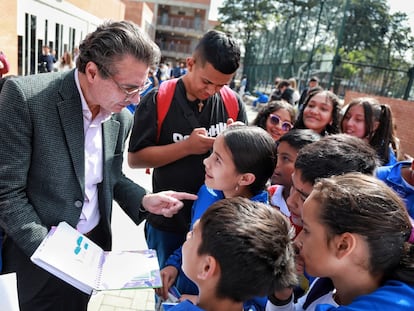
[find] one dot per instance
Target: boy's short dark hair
(298, 138)
(252, 244)
(335, 155)
(220, 50)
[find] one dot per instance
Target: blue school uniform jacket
(393, 296)
(206, 197)
(391, 175)
(186, 305)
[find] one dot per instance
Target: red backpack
(166, 92)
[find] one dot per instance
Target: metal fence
(365, 78)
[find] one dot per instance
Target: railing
(186, 24)
(365, 78)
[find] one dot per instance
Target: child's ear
(247, 179)
(345, 244)
(208, 268)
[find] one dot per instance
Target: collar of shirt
(103, 114)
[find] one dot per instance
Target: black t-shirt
(186, 174)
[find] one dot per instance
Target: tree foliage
(300, 37)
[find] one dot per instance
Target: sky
(406, 6)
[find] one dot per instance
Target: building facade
(60, 24)
(175, 25)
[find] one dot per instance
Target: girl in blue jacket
(242, 161)
(357, 232)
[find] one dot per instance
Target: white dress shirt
(89, 217)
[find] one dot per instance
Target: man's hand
(199, 142)
(166, 203)
(168, 276)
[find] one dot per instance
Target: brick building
(61, 24)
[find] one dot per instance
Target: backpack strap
(230, 102)
(165, 95)
(166, 92)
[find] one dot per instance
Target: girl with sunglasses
(276, 118)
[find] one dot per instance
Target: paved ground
(128, 236)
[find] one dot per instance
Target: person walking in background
(65, 63)
(275, 91)
(75, 54)
(163, 72)
(179, 70)
(243, 85)
(313, 82)
(4, 64)
(283, 92)
(46, 60)
(63, 138)
(196, 115)
(295, 94)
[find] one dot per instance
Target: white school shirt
(278, 200)
(291, 306)
(89, 217)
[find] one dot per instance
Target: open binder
(74, 258)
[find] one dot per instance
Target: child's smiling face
(221, 173)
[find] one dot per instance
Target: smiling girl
(358, 233)
(242, 161)
(320, 112)
(277, 118)
(371, 121)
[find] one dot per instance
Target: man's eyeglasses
(129, 91)
(275, 120)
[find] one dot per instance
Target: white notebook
(74, 258)
(8, 292)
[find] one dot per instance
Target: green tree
(294, 37)
(366, 24)
(246, 19)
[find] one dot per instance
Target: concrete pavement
(126, 236)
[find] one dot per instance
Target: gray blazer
(42, 173)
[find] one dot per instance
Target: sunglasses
(275, 120)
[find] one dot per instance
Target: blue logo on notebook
(79, 245)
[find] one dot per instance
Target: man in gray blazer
(62, 140)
